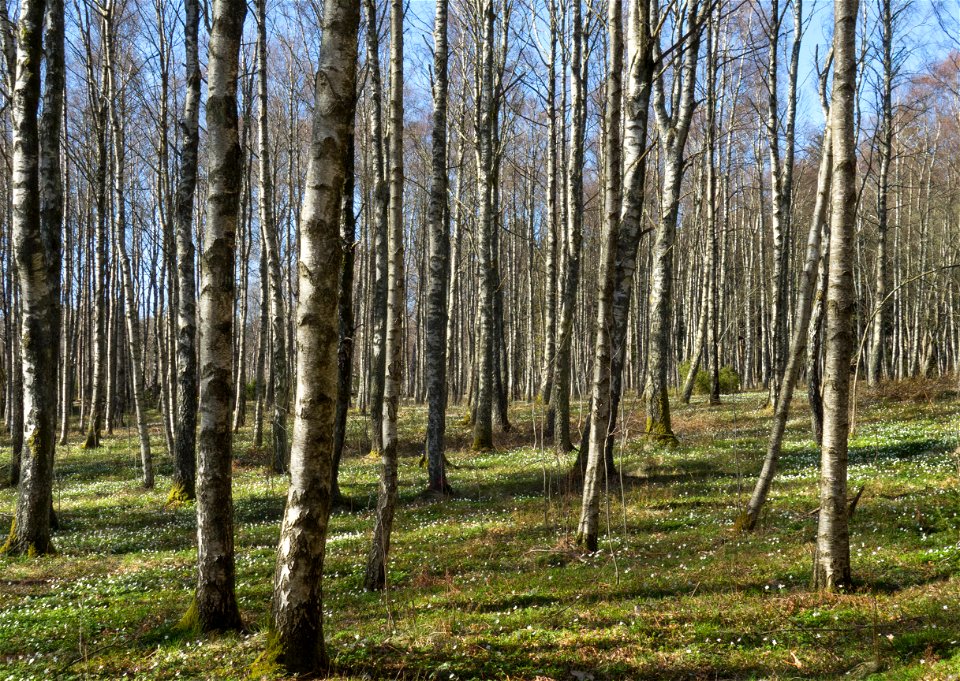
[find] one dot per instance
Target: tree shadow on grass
(563, 479)
(900, 451)
(535, 659)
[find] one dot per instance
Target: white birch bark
(297, 637)
(215, 603)
(831, 570)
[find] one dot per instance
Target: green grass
(489, 585)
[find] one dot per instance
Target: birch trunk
(674, 128)
(574, 226)
(551, 283)
(483, 422)
(806, 325)
(297, 638)
(36, 237)
(798, 345)
(119, 237)
(375, 577)
(268, 232)
(881, 320)
(215, 603)
(588, 531)
(831, 569)
(381, 199)
(710, 180)
(184, 457)
(263, 341)
(100, 333)
(781, 186)
(439, 266)
(814, 344)
(345, 321)
(636, 105)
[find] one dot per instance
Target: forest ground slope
(489, 584)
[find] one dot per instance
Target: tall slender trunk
(636, 105)
(215, 603)
(165, 321)
(710, 199)
(114, 367)
(439, 266)
(588, 530)
(674, 128)
(184, 456)
(380, 255)
(297, 623)
(99, 303)
(16, 380)
(68, 321)
(801, 333)
(345, 321)
(574, 227)
(815, 342)
(376, 573)
(881, 320)
(263, 341)
(36, 230)
(696, 356)
(119, 237)
(245, 243)
(268, 232)
(483, 422)
(551, 282)
(831, 568)
(453, 296)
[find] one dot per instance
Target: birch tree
(376, 571)
(184, 458)
(270, 242)
(587, 534)
(439, 259)
(113, 95)
(380, 255)
(881, 320)
(296, 640)
(346, 327)
(673, 118)
(781, 180)
(484, 94)
(819, 228)
(574, 228)
(37, 216)
(831, 569)
(215, 603)
(100, 392)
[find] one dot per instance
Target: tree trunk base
(574, 477)
(374, 579)
(340, 501)
(92, 441)
(195, 622)
(444, 491)
(745, 523)
(179, 494)
(309, 660)
(589, 542)
(667, 438)
(481, 444)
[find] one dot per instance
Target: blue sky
(919, 35)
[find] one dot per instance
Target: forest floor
(489, 584)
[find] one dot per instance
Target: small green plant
(729, 379)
